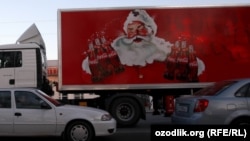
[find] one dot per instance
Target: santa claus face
(136, 28)
(139, 46)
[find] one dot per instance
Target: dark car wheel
(79, 131)
(241, 121)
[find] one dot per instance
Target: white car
(30, 112)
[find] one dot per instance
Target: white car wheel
(80, 131)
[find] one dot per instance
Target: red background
(220, 35)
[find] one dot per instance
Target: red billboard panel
(151, 46)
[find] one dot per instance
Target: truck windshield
(53, 101)
(214, 88)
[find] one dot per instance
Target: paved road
(141, 132)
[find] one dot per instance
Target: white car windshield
(53, 101)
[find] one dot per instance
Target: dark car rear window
(214, 89)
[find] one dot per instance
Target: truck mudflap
(127, 109)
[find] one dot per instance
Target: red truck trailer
(164, 52)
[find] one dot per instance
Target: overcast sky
(17, 15)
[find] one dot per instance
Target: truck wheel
(79, 131)
(126, 111)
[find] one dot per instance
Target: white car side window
(5, 99)
(27, 100)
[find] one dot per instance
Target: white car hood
(81, 108)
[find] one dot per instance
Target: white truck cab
(24, 64)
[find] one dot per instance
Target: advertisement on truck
(152, 46)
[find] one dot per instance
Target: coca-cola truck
(121, 54)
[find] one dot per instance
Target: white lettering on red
(103, 56)
(93, 61)
(193, 64)
(184, 60)
(171, 59)
(112, 54)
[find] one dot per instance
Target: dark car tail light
(201, 105)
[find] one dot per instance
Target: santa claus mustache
(136, 38)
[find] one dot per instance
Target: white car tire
(80, 131)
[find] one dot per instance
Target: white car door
(30, 118)
(6, 113)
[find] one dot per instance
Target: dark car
(225, 102)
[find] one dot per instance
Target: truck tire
(79, 131)
(126, 111)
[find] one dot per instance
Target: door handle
(18, 114)
(12, 81)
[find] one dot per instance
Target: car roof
(237, 79)
(21, 88)
(241, 79)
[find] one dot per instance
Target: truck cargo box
(153, 48)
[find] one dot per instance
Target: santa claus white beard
(145, 51)
(85, 65)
